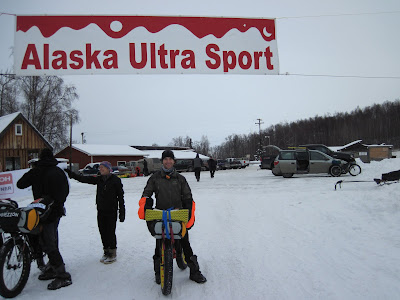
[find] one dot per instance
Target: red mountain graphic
(199, 26)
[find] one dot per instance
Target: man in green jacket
(172, 190)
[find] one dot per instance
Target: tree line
(46, 101)
(376, 124)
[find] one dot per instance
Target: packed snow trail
(257, 236)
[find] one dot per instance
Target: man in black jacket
(197, 164)
(212, 166)
(50, 183)
(109, 199)
(172, 190)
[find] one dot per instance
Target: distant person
(137, 171)
(109, 201)
(197, 164)
(212, 166)
(145, 168)
(49, 183)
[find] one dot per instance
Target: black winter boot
(105, 254)
(63, 279)
(47, 273)
(195, 273)
(40, 263)
(112, 256)
(156, 261)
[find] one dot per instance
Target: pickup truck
(91, 169)
(222, 164)
(234, 165)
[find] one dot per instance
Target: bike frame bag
(176, 228)
(14, 219)
(176, 219)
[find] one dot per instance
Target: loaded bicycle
(19, 229)
(352, 168)
(168, 227)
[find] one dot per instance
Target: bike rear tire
(166, 267)
(15, 266)
(335, 171)
(354, 170)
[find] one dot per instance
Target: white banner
(8, 185)
(76, 45)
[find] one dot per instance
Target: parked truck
(243, 163)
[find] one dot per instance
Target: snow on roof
(108, 150)
(339, 148)
(351, 144)
(179, 154)
(6, 120)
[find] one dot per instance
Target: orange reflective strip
(183, 229)
(32, 221)
(142, 203)
(191, 221)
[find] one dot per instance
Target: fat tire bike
(352, 168)
(168, 227)
(17, 251)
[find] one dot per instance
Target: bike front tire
(166, 267)
(354, 170)
(15, 266)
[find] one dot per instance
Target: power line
(300, 17)
(4, 13)
(341, 15)
(340, 76)
(303, 75)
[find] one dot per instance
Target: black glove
(122, 214)
(149, 203)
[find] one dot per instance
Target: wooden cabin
(20, 142)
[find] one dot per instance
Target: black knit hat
(46, 153)
(167, 153)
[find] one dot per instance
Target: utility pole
(259, 130)
(70, 142)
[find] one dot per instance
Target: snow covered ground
(257, 236)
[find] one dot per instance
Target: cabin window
(18, 129)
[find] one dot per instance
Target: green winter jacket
(170, 190)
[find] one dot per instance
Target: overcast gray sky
(338, 38)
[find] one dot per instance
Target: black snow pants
(49, 242)
(197, 173)
(107, 223)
